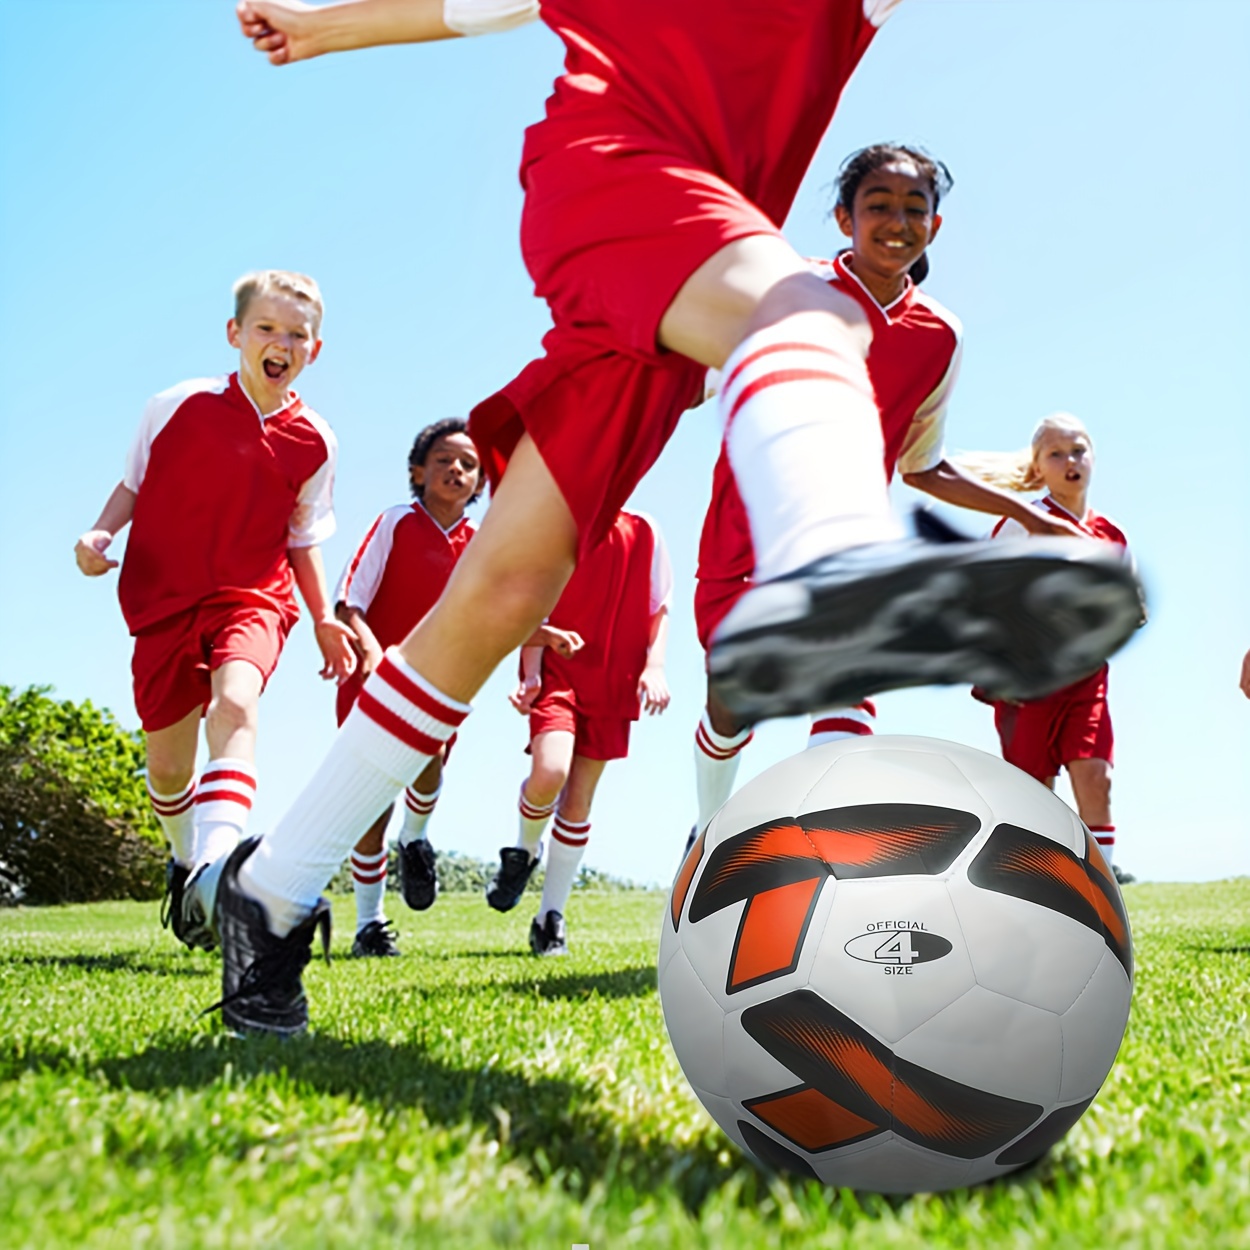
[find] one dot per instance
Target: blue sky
(1092, 247)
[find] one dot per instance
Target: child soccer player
(580, 710)
(653, 191)
(1070, 728)
(227, 490)
(392, 581)
(887, 206)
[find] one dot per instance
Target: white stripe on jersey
(362, 575)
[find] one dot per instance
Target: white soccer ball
(896, 964)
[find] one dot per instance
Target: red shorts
(595, 737)
(1043, 735)
(174, 660)
(712, 603)
(609, 237)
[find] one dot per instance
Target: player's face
(1065, 462)
(891, 221)
(451, 473)
(276, 339)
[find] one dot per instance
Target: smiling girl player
(672, 148)
(887, 204)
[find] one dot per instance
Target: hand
(282, 29)
(526, 694)
(89, 552)
(1245, 675)
(563, 642)
(335, 640)
(653, 691)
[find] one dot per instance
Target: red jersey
(400, 569)
(1092, 523)
(744, 89)
(610, 600)
(222, 492)
(913, 363)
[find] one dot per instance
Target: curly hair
(425, 441)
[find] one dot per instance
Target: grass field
(469, 1095)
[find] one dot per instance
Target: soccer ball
(895, 964)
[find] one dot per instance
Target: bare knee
(374, 838)
(169, 776)
(544, 784)
(231, 712)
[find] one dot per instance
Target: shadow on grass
(1217, 950)
(551, 1126)
(116, 962)
(623, 983)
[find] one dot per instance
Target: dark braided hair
(868, 160)
(425, 441)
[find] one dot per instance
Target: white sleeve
(1009, 528)
(485, 17)
(156, 414)
(312, 518)
(925, 443)
(661, 570)
(363, 575)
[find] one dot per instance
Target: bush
(75, 825)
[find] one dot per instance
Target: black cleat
(261, 989)
(1017, 617)
(377, 938)
(1122, 877)
(507, 885)
(171, 905)
(549, 938)
(418, 880)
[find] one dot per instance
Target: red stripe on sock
(780, 378)
(215, 775)
(759, 353)
(396, 726)
(375, 879)
(560, 836)
(710, 749)
(175, 808)
(418, 696)
(225, 796)
(840, 724)
(419, 803)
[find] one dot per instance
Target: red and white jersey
(652, 75)
(400, 569)
(913, 362)
(1092, 523)
(222, 492)
(610, 601)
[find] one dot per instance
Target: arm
(565, 642)
(368, 648)
(288, 30)
(653, 690)
(531, 683)
(333, 637)
(89, 549)
(952, 485)
(1245, 675)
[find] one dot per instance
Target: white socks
(176, 817)
(715, 767)
(532, 823)
(396, 727)
(804, 439)
(1104, 835)
(223, 800)
(842, 722)
(418, 808)
(564, 858)
(369, 887)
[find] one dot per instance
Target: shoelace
(284, 961)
